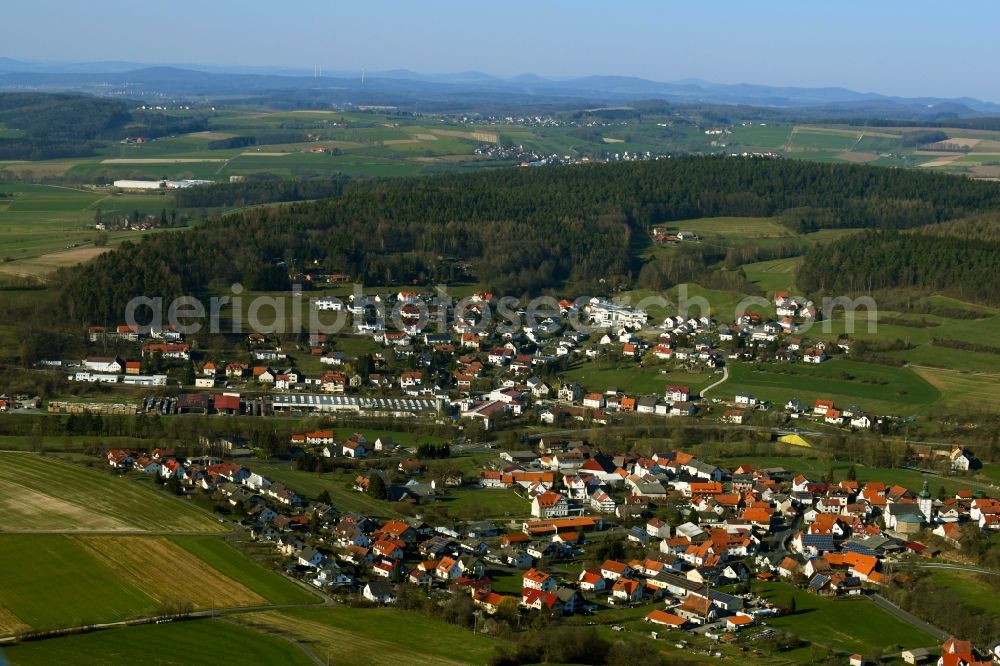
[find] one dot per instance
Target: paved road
(688, 423)
(892, 608)
(941, 565)
(725, 376)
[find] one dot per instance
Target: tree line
(878, 260)
(258, 191)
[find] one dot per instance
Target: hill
(63, 125)
(518, 230)
(877, 260)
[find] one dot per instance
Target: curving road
(725, 376)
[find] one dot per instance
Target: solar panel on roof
(853, 547)
(818, 581)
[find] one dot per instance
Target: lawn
(311, 484)
(484, 504)
(852, 625)
(377, 635)
(43, 494)
(162, 645)
(110, 578)
(635, 380)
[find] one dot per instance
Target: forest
(64, 125)
(253, 192)
(522, 231)
(878, 260)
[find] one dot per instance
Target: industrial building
(366, 406)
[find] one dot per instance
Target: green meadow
(113, 578)
(851, 625)
(162, 645)
(873, 387)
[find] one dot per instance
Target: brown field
(27, 509)
(9, 624)
(941, 161)
(987, 145)
(986, 171)
(485, 137)
(608, 139)
(447, 158)
(966, 143)
(39, 168)
(212, 136)
(860, 158)
(43, 494)
(963, 387)
(140, 559)
(43, 265)
(399, 142)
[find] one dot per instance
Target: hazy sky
(911, 47)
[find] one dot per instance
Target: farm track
(725, 376)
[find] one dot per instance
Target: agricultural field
(49, 227)
(161, 645)
(353, 635)
(884, 389)
(41, 494)
(959, 387)
(292, 144)
(733, 228)
(973, 152)
(851, 625)
(774, 275)
(110, 578)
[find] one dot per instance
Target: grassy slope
(165, 644)
(872, 387)
(311, 485)
(974, 592)
(853, 625)
(228, 561)
(36, 569)
(100, 495)
(49, 581)
(380, 635)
